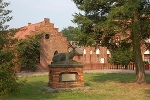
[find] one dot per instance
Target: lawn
(110, 86)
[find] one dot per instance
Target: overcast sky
(33, 11)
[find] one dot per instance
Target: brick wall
(48, 46)
(57, 42)
(56, 71)
(51, 41)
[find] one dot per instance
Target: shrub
(9, 83)
(29, 52)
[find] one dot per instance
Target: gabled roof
(26, 30)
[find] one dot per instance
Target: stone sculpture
(66, 57)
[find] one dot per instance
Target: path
(25, 74)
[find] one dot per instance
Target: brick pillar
(103, 54)
(94, 56)
(87, 54)
(65, 76)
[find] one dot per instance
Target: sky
(33, 11)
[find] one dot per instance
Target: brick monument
(65, 72)
(65, 76)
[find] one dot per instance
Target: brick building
(98, 58)
(53, 40)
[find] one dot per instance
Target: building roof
(26, 30)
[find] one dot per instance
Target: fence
(131, 66)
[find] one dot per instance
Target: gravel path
(25, 74)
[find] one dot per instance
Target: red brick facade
(51, 41)
(98, 59)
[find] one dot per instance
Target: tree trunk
(140, 72)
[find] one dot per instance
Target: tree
(105, 19)
(8, 80)
(121, 56)
(74, 34)
(26, 48)
(69, 32)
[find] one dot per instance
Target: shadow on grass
(115, 77)
(147, 91)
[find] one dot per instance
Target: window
(84, 54)
(97, 55)
(91, 56)
(108, 54)
(47, 36)
(147, 57)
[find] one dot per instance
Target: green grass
(103, 87)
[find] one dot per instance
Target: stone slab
(54, 90)
(68, 77)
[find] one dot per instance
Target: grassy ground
(103, 87)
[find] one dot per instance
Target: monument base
(65, 76)
(56, 90)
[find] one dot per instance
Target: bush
(9, 83)
(29, 52)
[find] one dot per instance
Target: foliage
(29, 52)
(69, 33)
(119, 56)
(74, 34)
(106, 19)
(121, 53)
(8, 79)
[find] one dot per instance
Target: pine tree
(69, 32)
(106, 18)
